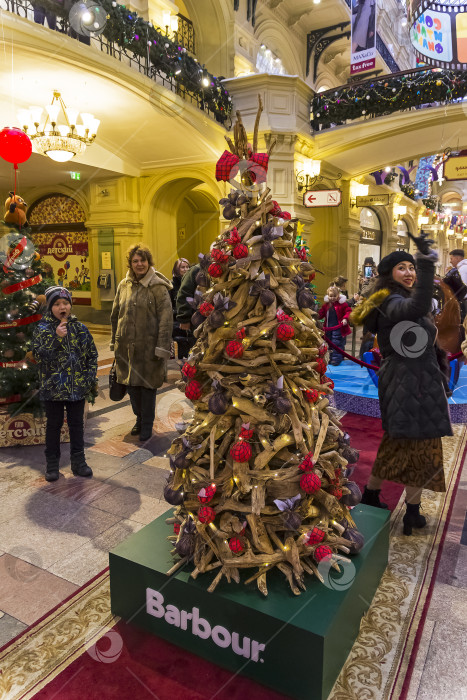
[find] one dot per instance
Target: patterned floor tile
(10, 627)
(27, 592)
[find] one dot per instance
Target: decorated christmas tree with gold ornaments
(260, 478)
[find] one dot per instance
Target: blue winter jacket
(67, 366)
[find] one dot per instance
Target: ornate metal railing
(387, 94)
(135, 42)
(185, 34)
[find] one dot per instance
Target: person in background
(184, 338)
(142, 322)
(340, 282)
(336, 312)
(187, 290)
(67, 358)
(412, 385)
(456, 279)
(354, 300)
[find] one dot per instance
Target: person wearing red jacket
(336, 312)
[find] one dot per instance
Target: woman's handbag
(116, 391)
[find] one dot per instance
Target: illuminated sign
(455, 168)
(431, 35)
(439, 36)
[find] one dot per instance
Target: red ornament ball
(236, 545)
(310, 483)
(336, 491)
(285, 331)
(315, 536)
(193, 390)
(326, 380)
(246, 433)
(320, 365)
(311, 395)
(189, 370)
(15, 145)
(215, 270)
(323, 350)
(206, 514)
(240, 451)
(219, 255)
(207, 493)
(240, 251)
(206, 308)
(322, 552)
(176, 528)
(307, 464)
(234, 348)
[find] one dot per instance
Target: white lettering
(154, 602)
(221, 637)
(255, 649)
(172, 615)
(245, 651)
(200, 627)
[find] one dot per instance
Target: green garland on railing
(140, 38)
(387, 94)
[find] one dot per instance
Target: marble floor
(55, 537)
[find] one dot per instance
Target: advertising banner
(363, 40)
(439, 33)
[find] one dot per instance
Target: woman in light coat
(141, 334)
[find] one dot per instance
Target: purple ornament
(355, 538)
(354, 497)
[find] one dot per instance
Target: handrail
(130, 39)
(386, 94)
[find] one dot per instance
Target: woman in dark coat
(185, 339)
(411, 385)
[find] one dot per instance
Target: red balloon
(15, 145)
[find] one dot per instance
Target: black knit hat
(52, 294)
(393, 259)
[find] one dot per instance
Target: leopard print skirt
(417, 463)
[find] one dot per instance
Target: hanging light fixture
(60, 142)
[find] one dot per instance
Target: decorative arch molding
(268, 32)
(33, 196)
(213, 23)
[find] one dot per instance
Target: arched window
(370, 237)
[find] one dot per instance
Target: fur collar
(151, 278)
(342, 299)
(361, 311)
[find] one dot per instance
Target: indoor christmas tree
(260, 477)
(22, 282)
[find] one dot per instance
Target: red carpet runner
(134, 664)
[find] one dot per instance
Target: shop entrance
(370, 240)
(403, 240)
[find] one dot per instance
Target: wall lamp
(310, 174)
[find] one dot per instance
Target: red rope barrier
(332, 328)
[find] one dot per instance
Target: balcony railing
(185, 34)
(137, 43)
(386, 94)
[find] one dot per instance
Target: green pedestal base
(294, 644)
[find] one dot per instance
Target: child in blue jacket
(67, 358)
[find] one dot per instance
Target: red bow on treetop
(227, 166)
(234, 237)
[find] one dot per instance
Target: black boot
(148, 412)
(79, 466)
(136, 429)
(370, 497)
(51, 470)
(412, 518)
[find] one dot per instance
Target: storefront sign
(363, 39)
(26, 429)
(438, 34)
(378, 200)
(60, 248)
(369, 236)
(322, 198)
(455, 168)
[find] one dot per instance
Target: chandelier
(60, 142)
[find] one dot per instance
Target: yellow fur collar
(361, 311)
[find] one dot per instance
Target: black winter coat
(411, 389)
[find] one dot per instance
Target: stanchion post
(354, 340)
